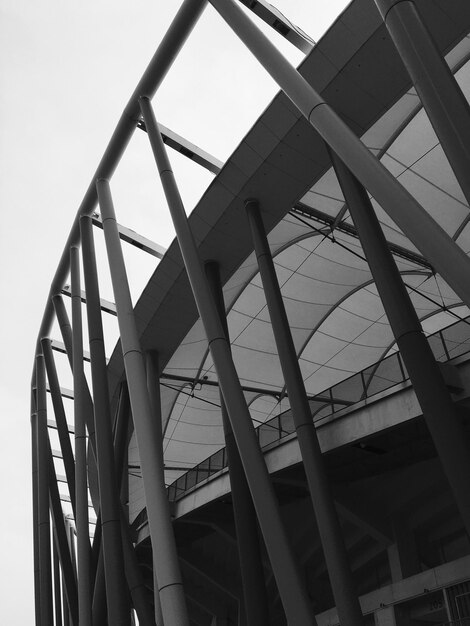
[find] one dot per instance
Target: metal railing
(446, 344)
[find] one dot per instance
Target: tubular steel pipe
(174, 39)
(57, 588)
(169, 578)
(440, 414)
(62, 542)
(161, 559)
(65, 606)
(135, 580)
(81, 498)
(73, 555)
(99, 591)
(431, 240)
(35, 485)
(116, 590)
(246, 527)
(334, 549)
(44, 527)
(442, 98)
(291, 587)
(66, 332)
(120, 435)
(61, 420)
(65, 326)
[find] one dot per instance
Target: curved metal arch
(178, 393)
(393, 343)
(205, 355)
(180, 28)
(282, 248)
(425, 317)
(343, 299)
(394, 136)
(386, 145)
(257, 397)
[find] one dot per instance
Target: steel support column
(35, 485)
(291, 587)
(57, 587)
(81, 486)
(135, 580)
(339, 571)
(73, 555)
(169, 578)
(431, 240)
(251, 566)
(62, 542)
(442, 419)
(99, 589)
(121, 442)
(61, 419)
(166, 53)
(116, 588)
(66, 332)
(44, 527)
(65, 326)
(153, 386)
(65, 606)
(442, 98)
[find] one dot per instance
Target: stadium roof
(336, 316)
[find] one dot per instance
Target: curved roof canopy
(336, 316)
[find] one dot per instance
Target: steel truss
(101, 580)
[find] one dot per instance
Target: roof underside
(336, 316)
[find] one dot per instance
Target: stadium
(280, 434)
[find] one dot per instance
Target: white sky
(67, 69)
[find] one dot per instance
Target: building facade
(281, 432)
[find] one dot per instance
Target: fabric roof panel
(257, 368)
(257, 336)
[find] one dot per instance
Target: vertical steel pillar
(99, 590)
(135, 580)
(35, 485)
(62, 541)
(442, 98)
(68, 617)
(57, 588)
(73, 553)
(81, 486)
(158, 615)
(251, 566)
(64, 325)
(66, 332)
(291, 587)
(60, 418)
(65, 606)
(165, 557)
(116, 590)
(431, 240)
(169, 577)
(342, 584)
(121, 430)
(442, 419)
(44, 528)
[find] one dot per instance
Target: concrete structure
(297, 370)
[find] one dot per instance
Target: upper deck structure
(318, 292)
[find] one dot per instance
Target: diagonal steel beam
(187, 149)
(279, 22)
(130, 236)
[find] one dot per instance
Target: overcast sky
(67, 70)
